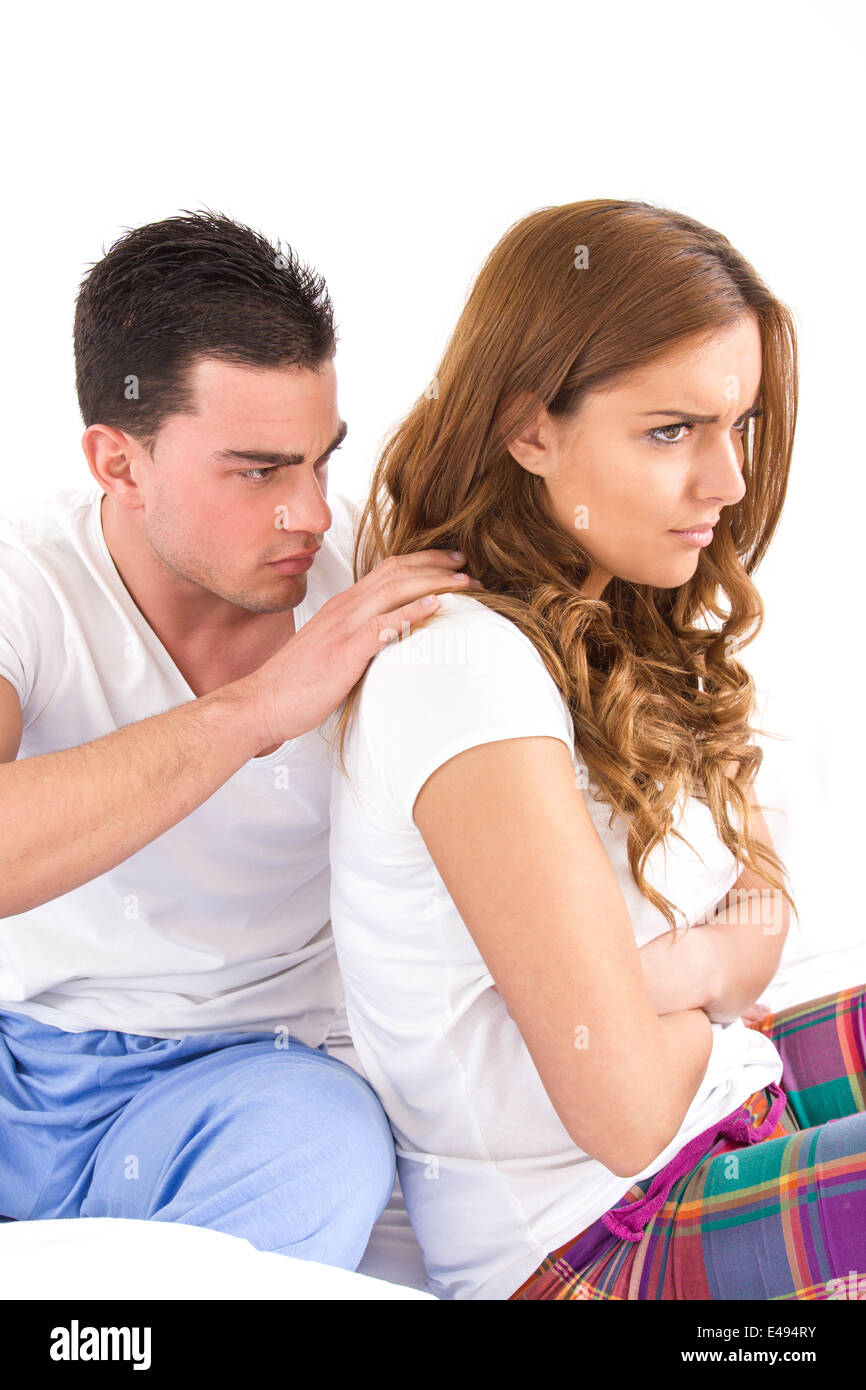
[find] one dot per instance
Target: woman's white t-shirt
(491, 1178)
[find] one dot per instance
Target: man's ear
(111, 456)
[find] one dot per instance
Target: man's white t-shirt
(491, 1178)
(220, 923)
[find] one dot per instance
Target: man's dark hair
(171, 293)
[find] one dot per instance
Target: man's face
(220, 504)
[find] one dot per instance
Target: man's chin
(264, 605)
(284, 593)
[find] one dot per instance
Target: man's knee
(290, 1150)
(354, 1159)
(325, 1158)
(323, 1107)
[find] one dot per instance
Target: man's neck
(210, 641)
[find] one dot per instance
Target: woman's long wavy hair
(660, 704)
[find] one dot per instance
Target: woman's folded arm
(722, 964)
(513, 841)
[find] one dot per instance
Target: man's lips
(296, 555)
(296, 563)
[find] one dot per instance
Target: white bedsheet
(109, 1257)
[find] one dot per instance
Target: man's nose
(305, 511)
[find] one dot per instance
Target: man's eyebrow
(698, 419)
(278, 459)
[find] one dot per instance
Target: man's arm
(724, 964)
(67, 817)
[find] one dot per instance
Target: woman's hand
(756, 1013)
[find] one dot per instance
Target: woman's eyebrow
(698, 419)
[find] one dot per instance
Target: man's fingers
(445, 557)
(416, 560)
(391, 625)
(398, 580)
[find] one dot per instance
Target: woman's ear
(533, 445)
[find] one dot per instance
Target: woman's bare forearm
(747, 936)
(681, 970)
(721, 964)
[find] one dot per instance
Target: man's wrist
(235, 708)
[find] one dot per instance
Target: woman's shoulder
(462, 631)
(469, 676)
(467, 666)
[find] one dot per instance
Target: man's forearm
(67, 817)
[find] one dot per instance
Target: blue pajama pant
(254, 1134)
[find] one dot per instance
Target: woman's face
(635, 464)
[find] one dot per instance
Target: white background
(391, 146)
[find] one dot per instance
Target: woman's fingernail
(457, 555)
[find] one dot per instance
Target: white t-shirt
(491, 1178)
(220, 923)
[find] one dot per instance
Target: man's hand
(303, 683)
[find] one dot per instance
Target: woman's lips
(697, 535)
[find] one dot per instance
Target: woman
(544, 784)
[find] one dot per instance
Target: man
(170, 643)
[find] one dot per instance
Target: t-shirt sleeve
(466, 678)
(31, 630)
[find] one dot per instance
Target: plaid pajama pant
(783, 1217)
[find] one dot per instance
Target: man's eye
(259, 475)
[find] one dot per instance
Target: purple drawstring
(628, 1222)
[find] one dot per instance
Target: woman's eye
(739, 426)
(656, 433)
